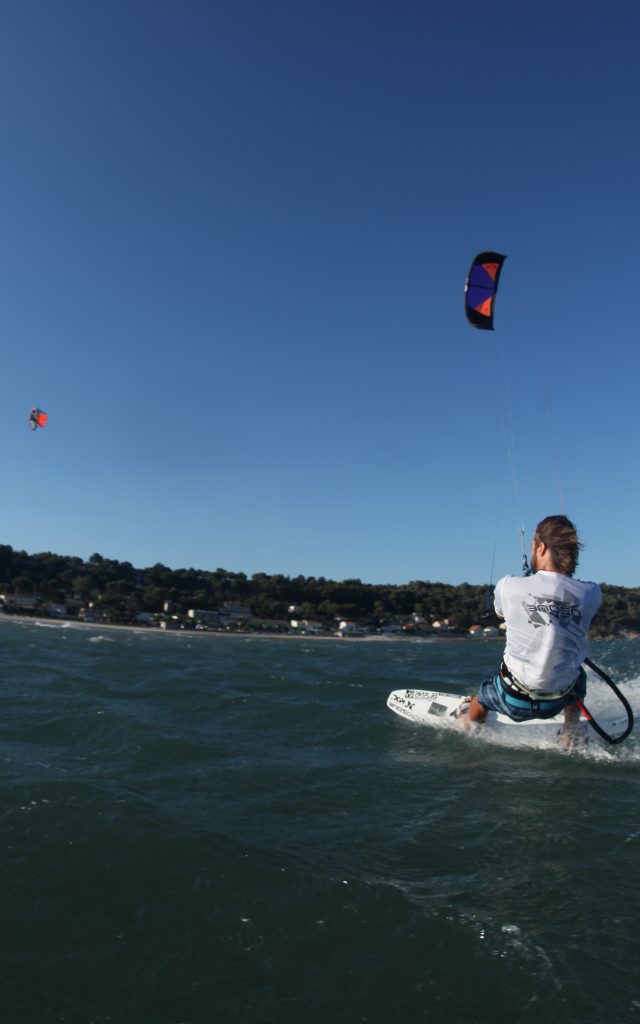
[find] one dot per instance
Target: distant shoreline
(155, 631)
(249, 635)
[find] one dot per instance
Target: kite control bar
(526, 571)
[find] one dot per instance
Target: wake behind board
(431, 707)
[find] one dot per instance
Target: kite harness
(621, 697)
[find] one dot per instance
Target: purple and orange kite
(480, 289)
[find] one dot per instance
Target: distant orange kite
(37, 418)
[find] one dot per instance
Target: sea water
(201, 828)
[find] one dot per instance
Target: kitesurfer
(547, 617)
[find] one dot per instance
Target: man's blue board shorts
(494, 697)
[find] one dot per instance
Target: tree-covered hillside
(119, 592)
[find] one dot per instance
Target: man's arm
(498, 598)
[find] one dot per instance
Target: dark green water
(212, 829)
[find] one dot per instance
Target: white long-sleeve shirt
(547, 617)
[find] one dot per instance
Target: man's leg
(571, 716)
(477, 713)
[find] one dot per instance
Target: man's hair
(561, 537)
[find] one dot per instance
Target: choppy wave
(239, 830)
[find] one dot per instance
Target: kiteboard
(431, 707)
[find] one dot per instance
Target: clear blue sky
(233, 243)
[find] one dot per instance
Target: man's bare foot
(462, 708)
(469, 710)
(462, 712)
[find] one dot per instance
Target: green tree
(22, 585)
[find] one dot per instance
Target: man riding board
(547, 616)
